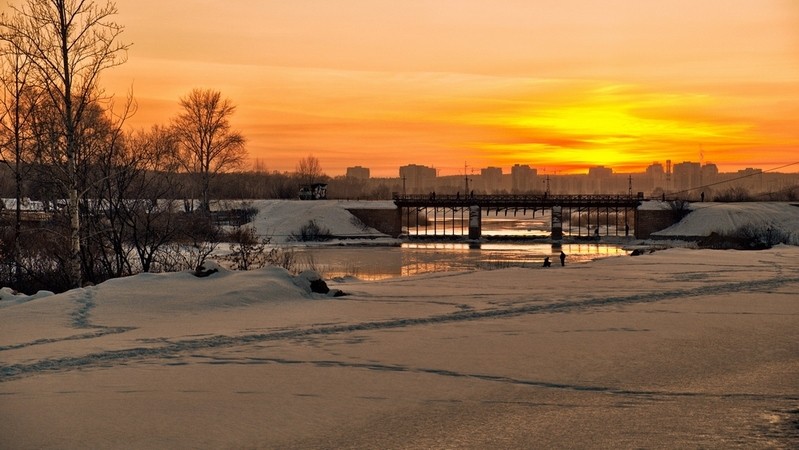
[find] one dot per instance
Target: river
(413, 258)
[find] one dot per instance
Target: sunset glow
(560, 86)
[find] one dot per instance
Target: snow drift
(725, 218)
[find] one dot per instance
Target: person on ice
(562, 258)
(546, 262)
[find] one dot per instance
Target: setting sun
(612, 126)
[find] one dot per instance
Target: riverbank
(280, 220)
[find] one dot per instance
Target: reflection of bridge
(592, 212)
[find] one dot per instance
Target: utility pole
(466, 179)
(630, 186)
(701, 162)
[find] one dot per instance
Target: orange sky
(560, 85)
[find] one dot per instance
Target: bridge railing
(515, 199)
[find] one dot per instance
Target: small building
(316, 191)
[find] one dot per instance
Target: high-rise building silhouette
(418, 179)
(491, 179)
(358, 172)
(599, 178)
(523, 178)
(687, 176)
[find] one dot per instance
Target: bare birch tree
(69, 43)
(208, 144)
(17, 106)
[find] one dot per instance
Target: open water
(374, 263)
(510, 241)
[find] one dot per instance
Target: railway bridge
(579, 212)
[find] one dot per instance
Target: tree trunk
(74, 262)
(206, 193)
(18, 220)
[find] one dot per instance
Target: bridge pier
(475, 222)
(557, 223)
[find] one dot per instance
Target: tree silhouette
(309, 170)
(68, 43)
(18, 98)
(208, 145)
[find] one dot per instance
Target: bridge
(582, 212)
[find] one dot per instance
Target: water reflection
(374, 263)
(521, 224)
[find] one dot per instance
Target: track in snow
(172, 349)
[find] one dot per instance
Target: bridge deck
(517, 201)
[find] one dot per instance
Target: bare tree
(208, 144)
(151, 212)
(248, 251)
(69, 43)
(17, 106)
(106, 168)
(309, 170)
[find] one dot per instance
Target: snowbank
(280, 219)
(724, 218)
(9, 296)
(168, 293)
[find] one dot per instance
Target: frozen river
(374, 263)
(511, 242)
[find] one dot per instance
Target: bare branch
(68, 43)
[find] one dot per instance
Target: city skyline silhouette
(560, 86)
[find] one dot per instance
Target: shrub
(788, 194)
(248, 250)
(202, 237)
(312, 232)
(747, 237)
(764, 236)
(285, 258)
(679, 208)
(734, 194)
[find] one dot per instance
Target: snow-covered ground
(724, 218)
(677, 348)
(674, 349)
(279, 220)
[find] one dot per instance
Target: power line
(735, 179)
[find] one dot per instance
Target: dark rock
(202, 272)
(319, 286)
